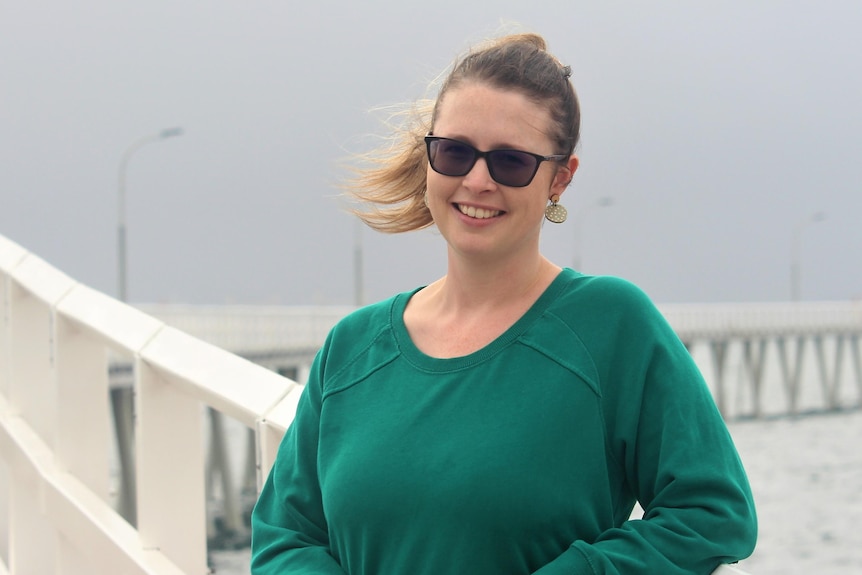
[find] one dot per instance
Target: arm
(669, 449)
(289, 530)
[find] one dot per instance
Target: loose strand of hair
(389, 184)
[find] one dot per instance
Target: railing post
(31, 549)
(170, 470)
(830, 382)
(270, 430)
(719, 355)
(754, 352)
(83, 422)
(34, 289)
(792, 376)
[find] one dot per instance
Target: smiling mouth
(478, 213)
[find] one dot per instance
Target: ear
(564, 175)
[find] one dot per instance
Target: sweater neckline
(435, 364)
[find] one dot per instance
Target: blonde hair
(391, 184)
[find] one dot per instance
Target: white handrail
(57, 338)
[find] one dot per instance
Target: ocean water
(806, 474)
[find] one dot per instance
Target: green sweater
(526, 456)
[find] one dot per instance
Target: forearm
(284, 542)
(278, 559)
(652, 546)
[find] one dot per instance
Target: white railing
(57, 339)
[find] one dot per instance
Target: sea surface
(806, 474)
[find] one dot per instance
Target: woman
(505, 418)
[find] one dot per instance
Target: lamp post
(602, 202)
(795, 248)
(121, 203)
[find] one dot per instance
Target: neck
(476, 286)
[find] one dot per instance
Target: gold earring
(555, 212)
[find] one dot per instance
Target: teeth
(478, 213)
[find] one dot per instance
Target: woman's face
(479, 217)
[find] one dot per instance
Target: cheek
(437, 186)
(541, 205)
(433, 195)
(542, 191)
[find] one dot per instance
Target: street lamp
(794, 251)
(121, 203)
(602, 202)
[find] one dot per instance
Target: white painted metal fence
(57, 340)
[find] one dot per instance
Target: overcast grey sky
(716, 127)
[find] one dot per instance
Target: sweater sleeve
(677, 458)
(289, 530)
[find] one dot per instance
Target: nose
(479, 179)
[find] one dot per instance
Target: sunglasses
(513, 168)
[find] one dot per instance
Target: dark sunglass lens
(511, 167)
(452, 158)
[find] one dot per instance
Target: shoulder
(610, 316)
(605, 298)
(361, 323)
(361, 341)
(361, 327)
(586, 322)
